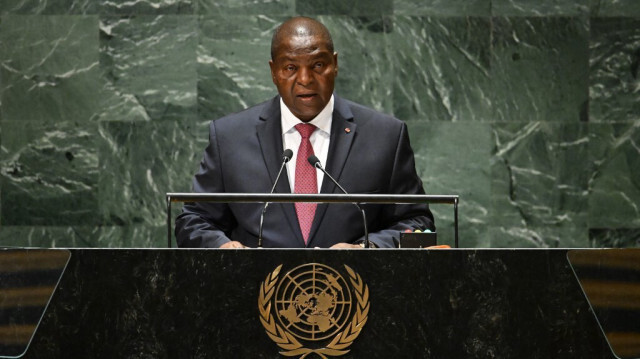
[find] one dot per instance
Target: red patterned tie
(306, 180)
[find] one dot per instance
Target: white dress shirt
(319, 139)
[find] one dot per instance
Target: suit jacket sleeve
(404, 180)
(206, 224)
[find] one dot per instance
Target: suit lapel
(343, 132)
(270, 137)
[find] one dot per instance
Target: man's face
(304, 70)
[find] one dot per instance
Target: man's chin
(306, 115)
(306, 118)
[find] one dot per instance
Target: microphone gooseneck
(315, 162)
(286, 157)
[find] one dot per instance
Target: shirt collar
(322, 121)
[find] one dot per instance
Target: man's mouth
(306, 96)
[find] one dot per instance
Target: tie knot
(305, 129)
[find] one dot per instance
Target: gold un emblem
(313, 309)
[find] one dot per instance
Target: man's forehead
(303, 44)
(300, 31)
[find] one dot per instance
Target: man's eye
(318, 65)
(290, 68)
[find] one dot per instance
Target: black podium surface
(420, 304)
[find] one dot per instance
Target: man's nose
(304, 76)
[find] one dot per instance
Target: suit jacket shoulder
(362, 115)
(249, 116)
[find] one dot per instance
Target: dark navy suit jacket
(369, 153)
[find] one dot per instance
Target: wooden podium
(410, 303)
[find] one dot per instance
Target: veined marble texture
(365, 73)
(539, 184)
(140, 162)
(135, 7)
(614, 237)
(614, 59)
(340, 7)
(46, 7)
(93, 7)
(455, 8)
(49, 68)
(441, 68)
(49, 162)
(233, 63)
(247, 7)
(538, 69)
(527, 109)
(615, 8)
(149, 68)
(540, 7)
(453, 158)
(614, 201)
(49, 173)
(54, 236)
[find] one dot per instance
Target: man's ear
(335, 61)
(273, 73)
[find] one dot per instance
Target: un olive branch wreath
(290, 345)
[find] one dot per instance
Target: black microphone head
(287, 154)
(314, 161)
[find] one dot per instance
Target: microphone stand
(315, 162)
(367, 244)
(286, 156)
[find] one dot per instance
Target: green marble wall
(529, 109)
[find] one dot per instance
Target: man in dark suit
(366, 151)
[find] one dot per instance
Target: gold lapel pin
(347, 130)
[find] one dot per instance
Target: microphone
(315, 162)
(286, 157)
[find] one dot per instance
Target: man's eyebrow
(286, 58)
(321, 55)
(315, 57)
